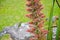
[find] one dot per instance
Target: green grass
(13, 11)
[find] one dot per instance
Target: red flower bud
(29, 15)
(28, 0)
(42, 21)
(42, 16)
(36, 1)
(38, 12)
(30, 22)
(40, 25)
(29, 9)
(29, 30)
(41, 7)
(44, 31)
(32, 28)
(36, 20)
(28, 3)
(36, 36)
(31, 38)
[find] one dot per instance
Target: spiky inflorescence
(35, 7)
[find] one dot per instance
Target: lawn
(13, 11)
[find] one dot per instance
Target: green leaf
(49, 36)
(58, 3)
(58, 28)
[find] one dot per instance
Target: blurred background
(13, 11)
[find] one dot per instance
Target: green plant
(49, 37)
(58, 27)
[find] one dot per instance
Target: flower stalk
(37, 17)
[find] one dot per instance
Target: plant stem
(49, 36)
(58, 4)
(58, 28)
